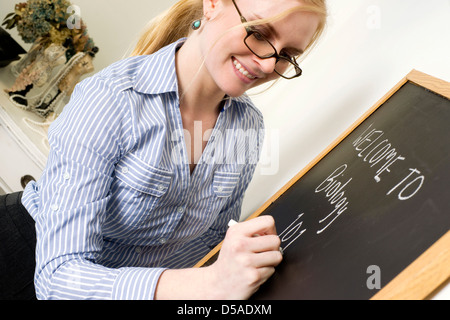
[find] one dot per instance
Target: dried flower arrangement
(62, 51)
(46, 20)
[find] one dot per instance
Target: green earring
(196, 24)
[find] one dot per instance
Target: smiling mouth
(242, 70)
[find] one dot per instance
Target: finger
(267, 259)
(265, 273)
(263, 225)
(264, 243)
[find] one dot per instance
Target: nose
(267, 66)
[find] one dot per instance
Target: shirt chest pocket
(220, 193)
(224, 183)
(139, 188)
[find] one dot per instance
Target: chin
(235, 94)
(232, 89)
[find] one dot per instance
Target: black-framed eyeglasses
(285, 66)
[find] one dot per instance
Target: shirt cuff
(136, 283)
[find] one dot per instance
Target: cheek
(218, 57)
(272, 77)
(219, 41)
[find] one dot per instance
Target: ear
(211, 8)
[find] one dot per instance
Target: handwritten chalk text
(334, 191)
(383, 154)
(292, 231)
(376, 150)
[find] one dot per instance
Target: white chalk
(232, 223)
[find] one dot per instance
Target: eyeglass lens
(263, 49)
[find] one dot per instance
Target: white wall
(370, 46)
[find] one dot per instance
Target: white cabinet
(23, 146)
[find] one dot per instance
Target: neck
(198, 92)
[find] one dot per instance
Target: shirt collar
(157, 75)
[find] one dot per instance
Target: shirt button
(66, 176)
(54, 207)
(162, 241)
(138, 249)
(180, 209)
(160, 187)
(125, 170)
(220, 188)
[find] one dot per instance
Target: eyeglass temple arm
(243, 20)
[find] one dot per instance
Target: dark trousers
(17, 249)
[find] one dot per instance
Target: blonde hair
(169, 26)
(175, 23)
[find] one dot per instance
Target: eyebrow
(272, 30)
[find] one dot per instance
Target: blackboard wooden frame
(431, 269)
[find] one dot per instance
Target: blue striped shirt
(116, 204)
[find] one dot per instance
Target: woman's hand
(248, 257)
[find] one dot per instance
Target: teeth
(242, 70)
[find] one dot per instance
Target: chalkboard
(370, 216)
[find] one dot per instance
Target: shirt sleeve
(86, 141)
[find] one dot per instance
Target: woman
(147, 168)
